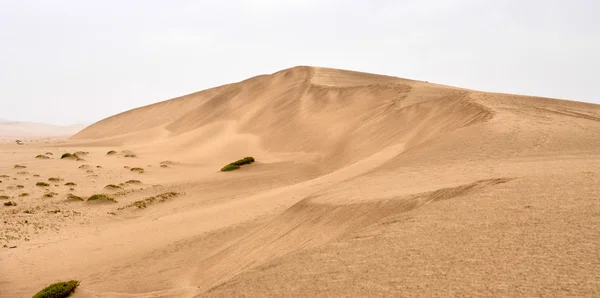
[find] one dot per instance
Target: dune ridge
(363, 185)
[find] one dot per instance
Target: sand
(363, 185)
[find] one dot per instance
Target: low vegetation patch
(141, 204)
(20, 186)
(112, 186)
(74, 197)
(81, 153)
(36, 175)
(49, 153)
(42, 157)
(111, 152)
(54, 179)
(10, 203)
(58, 290)
(3, 197)
(101, 197)
(69, 155)
(139, 170)
(22, 173)
(130, 155)
(42, 184)
(23, 194)
(20, 167)
(70, 184)
(237, 164)
(4, 176)
(133, 182)
(164, 166)
(50, 195)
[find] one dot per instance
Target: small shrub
(22, 173)
(42, 184)
(130, 155)
(70, 184)
(111, 152)
(4, 176)
(112, 186)
(20, 186)
(140, 170)
(20, 167)
(74, 197)
(54, 179)
(3, 197)
(99, 167)
(164, 166)
(49, 195)
(133, 182)
(49, 153)
(101, 197)
(36, 175)
(10, 203)
(58, 290)
(81, 153)
(126, 167)
(42, 157)
(68, 155)
(229, 167)
(89, 171)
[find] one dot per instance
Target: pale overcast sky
(67, 61)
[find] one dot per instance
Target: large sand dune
(364, 185)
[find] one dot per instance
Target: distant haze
(69, 61)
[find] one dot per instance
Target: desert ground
(363, 185)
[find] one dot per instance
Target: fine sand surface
(364, 185)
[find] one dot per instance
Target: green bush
(20, 186)
(58, 290)
(229, 167)
(101, 197)
(133, 182)
(68, 155)
(111, 152)
(43, 184)
(130, 155)
(112, 186)
(49, 153)
(70, 184)
(54, 179)
(20, 167)
(10, 203)
(3, 197)
(42, 157)
(23, 194)
(237, 164)
(50, 195)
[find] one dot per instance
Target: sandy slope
(365, 185)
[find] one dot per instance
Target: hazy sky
(63, 61)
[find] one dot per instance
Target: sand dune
(364, 185)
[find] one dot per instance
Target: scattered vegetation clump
(74, 197)
(22, 173)
(166, 162)
(101, 197)
(70, 184)
(89, 171)
(50, 195)
(238, 163)
(23, 194)
(42, 184)
(111, 152)
(139, 170)
(10, 203)
(81, 153)
(20, 167)
(130, 155)
(54, 179)
(42, 157)
(4, 176)
(68, 155)
(36, 175)
(49, 153)
(141, 204)
(99, 167)
(164, 166)
(58, 290)
(3, 197)
(112, 186)
(20, 186)
(19, 142)
(133, 182)
(126, 167)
